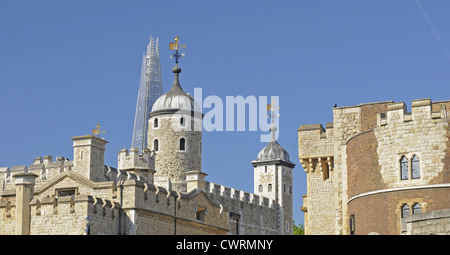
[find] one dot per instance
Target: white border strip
(443, 185)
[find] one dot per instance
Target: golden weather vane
(97, 131)
(174, 46)
(271, 108)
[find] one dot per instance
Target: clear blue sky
(67, 65)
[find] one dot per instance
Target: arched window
(415, 168)
(416, 208)
(155, 123)
(260, 188)
(290, 189)
(405, 210)
(182, 121)
(269, 187)
(155, 145)
(404, 172)
(182, 144)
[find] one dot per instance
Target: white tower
(273, 179)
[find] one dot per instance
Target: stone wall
(407, 134)
(430, 223)
(170, 162)
(368, 141)
(259, 215)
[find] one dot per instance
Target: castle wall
(363, 165)
(258, 214)
(408, 134)
(432, 223)
(7, 217)
(376, 191)
(67, 216)
(380, 212)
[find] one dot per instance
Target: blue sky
(67, 65)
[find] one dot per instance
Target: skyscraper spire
(150, 89)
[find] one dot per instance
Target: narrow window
(405, 210)
(260, 188)
(269, 187)
(182, 121)
(155, 123)
(284, 187)
(404, 168)
(182, 144)
(326, 172)
(416, 208)
(290, 189)
(155, 145)
(415, 169)
(352, 224)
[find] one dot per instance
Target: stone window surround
(410, 202)
(409, 156)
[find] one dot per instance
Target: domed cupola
(175, 99)
(273, 152)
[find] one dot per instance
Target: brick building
(377, 168)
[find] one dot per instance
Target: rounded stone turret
(175, 135)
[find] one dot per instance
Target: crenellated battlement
(139, 164)
(315, 146)
(238, 195)
(45, 168)
(134, 160)
(421, 110)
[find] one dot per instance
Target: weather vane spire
(175, 46)
(97, 131)
(272, 107)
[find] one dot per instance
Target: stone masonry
(354, 173)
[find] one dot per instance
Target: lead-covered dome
(273, 152)
(175, 98)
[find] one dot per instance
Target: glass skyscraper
(150, 89)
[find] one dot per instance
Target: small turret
(89, 157)
(142, 164)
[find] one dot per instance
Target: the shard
(150, 89)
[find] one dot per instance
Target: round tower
(175, 135)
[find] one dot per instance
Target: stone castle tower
(175, 135)
(273, 179)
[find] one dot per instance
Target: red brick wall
(369, 114)
(444, 176)
(381, 212)
(362, 164)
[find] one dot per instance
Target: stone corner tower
(273, 178)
